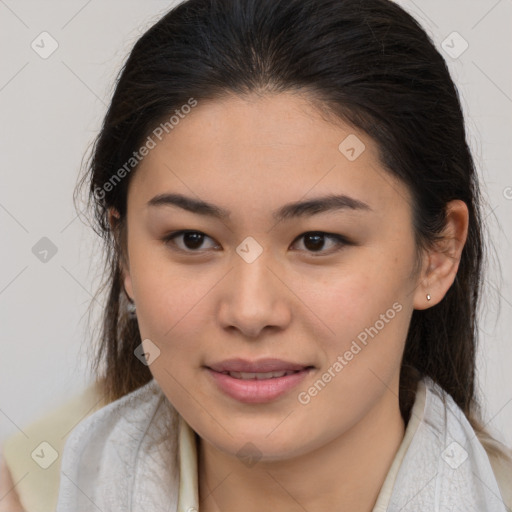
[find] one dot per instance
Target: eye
(192, 240)
(314, 241)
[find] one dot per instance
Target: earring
(428, 296)
(131, 308)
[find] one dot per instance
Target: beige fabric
(188, 494)
(38, 488)
(384, 497)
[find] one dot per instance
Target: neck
(344, 474)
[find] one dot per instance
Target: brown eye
(192, 241)
(315, 242)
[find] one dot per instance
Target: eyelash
(340, 240)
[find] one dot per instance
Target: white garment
(129, 456)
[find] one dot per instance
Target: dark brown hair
(368, 63)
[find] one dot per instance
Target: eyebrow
(291, 210)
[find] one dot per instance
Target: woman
(294, 250)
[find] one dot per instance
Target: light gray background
(50, 111)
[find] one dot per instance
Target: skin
(252, 155)
(9, 499)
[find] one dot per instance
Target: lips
(238, 366)
(254, 390)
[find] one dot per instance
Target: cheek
(366, 306)
(368, 317)
(169, 298)
(352, 298)
(171, 314)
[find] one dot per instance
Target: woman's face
(254, 285)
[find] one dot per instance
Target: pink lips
(256, 391)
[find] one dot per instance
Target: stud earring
(428, 296)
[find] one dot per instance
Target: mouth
(253, 387)
(260, 375)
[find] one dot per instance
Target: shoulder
(124, 452)
(123, 421)
(32, 456)
(493, 454)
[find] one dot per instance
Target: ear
(113, 219)
(441, 262)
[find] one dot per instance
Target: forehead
(278, 125)
(272, 148)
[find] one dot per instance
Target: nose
(255, 298)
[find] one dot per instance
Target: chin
(252, 447)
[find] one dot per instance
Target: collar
(188, 495)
